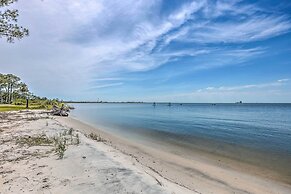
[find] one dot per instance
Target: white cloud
(76, 41)
(107, 85)
(255, 28)
(283, 80)
(107, 79)
(263, 92)
(244, 87)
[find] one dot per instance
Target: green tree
(2, 85)
(9, 84)
(23, 91)
(13, 84)
(9, 28)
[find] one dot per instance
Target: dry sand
(112, 165)
(30, 165)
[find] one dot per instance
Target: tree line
(14, 91)
(11, 88)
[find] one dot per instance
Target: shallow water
(254, 132)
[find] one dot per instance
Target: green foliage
(4, 108)
(95, 137)
(63, 140)
(70, 131)
(77, 139)
(15, 92)
(60, 142)
(19, 101)
(40, 140)
(11, 88)
(9, 28)
(61, 147)
(20, 104)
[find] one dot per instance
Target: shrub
(61, 147)
(96, 137)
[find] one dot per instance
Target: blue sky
(154, 50)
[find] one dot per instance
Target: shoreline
(110, 164)
(218, 174)
(30, 162)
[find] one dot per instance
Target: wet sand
(269, 164)
(195, 169)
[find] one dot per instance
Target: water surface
(256, 133)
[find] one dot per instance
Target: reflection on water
(258, 131)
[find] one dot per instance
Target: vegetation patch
(15, 95)
(95, 137)
(41, 140)
(60, 142)
(60, 147)
(4, 108)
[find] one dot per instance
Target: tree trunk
(26, 103)
(7, 95)
(11, 93)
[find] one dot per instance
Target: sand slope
(87, 167)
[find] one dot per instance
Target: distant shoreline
(173, 103)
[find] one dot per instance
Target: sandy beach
(147, 96)
(31, 162)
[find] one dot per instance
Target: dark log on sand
(63, 111)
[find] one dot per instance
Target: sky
(154, 50)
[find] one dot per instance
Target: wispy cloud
(277, 83)
(77, 41)
(226, 57)
(283, 80)
(108, 79)
(252, 29)
(262, 92)
(107, 85)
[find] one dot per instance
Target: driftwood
(63, 111)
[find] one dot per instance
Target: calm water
(227, 129)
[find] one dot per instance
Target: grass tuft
(41, 140)
(95, 137)
(60, 147)
(60, 142)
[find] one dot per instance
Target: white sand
(90, 167)
(113, 166)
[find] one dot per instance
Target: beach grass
(5, 107)
(11, 107)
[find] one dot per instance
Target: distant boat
(240, 102)
(169, 104)
(154, 104)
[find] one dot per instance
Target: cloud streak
(93, 42)
(262, 92)
(277, 83)
(107, 85)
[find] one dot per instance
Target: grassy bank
(40, 104)
(10, 107)
(5, 107)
